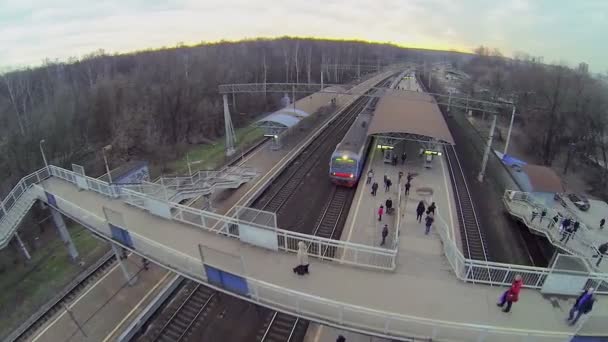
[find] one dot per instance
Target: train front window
(343, 167)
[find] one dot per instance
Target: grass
(26, 287)
(211, 156)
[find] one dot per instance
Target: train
(348, 158)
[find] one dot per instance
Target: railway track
(58, 304)
(328, 224)
(280, 327)
(473, 239)
(192, 310)
(281, 190)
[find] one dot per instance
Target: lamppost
(105, 160)
(42, 152)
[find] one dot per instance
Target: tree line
(151, 104)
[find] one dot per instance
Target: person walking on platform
(583, 305)
(403, 157)
(389, 206)
(409, 177)
(431, 208)
(380, 212)
(384, 234)
(400, 176)
(602, 222)
(428, 222)
(602, 249)
(394, 159)
(370, 175)
(511, 295)
(302, 267)
(566, 234)
(553, 221)
(534, 214)
(407, 188)
(341, 339)
(388, 185)
(374, 188)
(543, 214)
(420, 211)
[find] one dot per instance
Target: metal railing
(527, 204)
(12, 209)
(309, 306)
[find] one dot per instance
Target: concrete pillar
(64, 233)
(26, 253)
(118, 252)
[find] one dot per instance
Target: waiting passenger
(534, 214)
(380, 212)
(389, 206)
(431, 208)
(374, 188)
(403, 157)
(543, 214)
(407, 188)
(430, 217)
(302, 267)
(370, 175)
(388, 185)
(400, 176)
(394, 159)
(384, 234)
(511, 295)
(583, 305)
(553, 221)
(420, 211)
(602, 222)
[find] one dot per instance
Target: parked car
(579, 201)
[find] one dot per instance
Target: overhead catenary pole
(230, 135)
(46, 165)
(486, 154)
(509, 132)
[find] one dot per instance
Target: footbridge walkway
(358, 287)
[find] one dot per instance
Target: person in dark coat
(431, 208)
(341, 339)
(583, 305)
(511, 295)
(400, 176)
(407, 188)
(602, 222)
(384, 234)
(602, 249)
(388, 185)
(403, 157)
(428, 222)
(394, 160)
(374, 188)
(553, 221)
(409, 177)
(388, 205)
(543, 213)
(420, 211)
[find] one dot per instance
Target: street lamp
(105, 159)
(46, 165)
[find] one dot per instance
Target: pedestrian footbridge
(358, 287)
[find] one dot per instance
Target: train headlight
(352, 175)
(345, 157)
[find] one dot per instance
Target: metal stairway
(13, 209)
(204, 182)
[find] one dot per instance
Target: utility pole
(230, 135)
(486, 154)
(509, 132)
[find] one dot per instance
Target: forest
(152, 104)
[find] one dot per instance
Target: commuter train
(347, 161)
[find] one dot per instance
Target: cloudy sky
(567, 31)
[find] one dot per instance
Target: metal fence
(309, 306)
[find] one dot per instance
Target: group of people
(583, 304)
(430, 215)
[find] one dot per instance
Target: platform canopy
(410, 115)
(283, 118)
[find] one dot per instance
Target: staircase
(14, 215)
(205, 182)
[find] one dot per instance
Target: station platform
(105, 307)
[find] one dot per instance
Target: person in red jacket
(511, 295)
(380, 212)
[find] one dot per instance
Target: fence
(310, 306)
(522, 204)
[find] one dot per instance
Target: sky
(562, 31)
